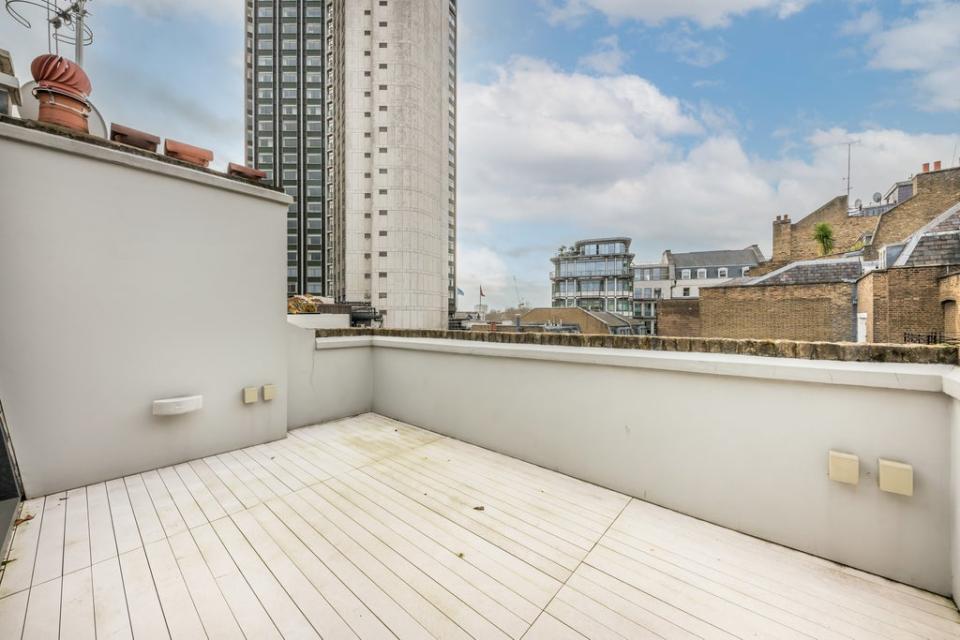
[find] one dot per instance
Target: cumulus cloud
(607, 57)
(566, 156)
(928, 46)
(565, 128)
(706, 13)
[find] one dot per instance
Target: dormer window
(701, 274)
(685, 274)
(722, 272)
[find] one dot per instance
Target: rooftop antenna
(849, 144)
(65, 24)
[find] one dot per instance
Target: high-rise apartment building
(351, 109)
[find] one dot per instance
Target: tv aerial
(66, 24)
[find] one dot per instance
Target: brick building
(794, 240)
(679, 317)
(566, 320)
(907, 206)
(912, 295)
(681, 276)
(895, 283)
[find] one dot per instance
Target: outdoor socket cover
(844, 467)
(895, 477)
(250, 395)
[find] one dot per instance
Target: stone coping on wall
(836, 351)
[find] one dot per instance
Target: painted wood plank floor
(370, 528)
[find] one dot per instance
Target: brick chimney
(782, 235)
(936, 166)
(926, 167)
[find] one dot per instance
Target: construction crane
(521, 303)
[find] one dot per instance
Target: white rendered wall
(320, 320)
(325, 384)
(409, 180)
(951, 386)
(124, 280)
(749, 454)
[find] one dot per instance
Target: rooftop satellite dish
(30, 110)
(877, 197)
(858, 204)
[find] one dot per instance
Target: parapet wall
(837, 351)
(738, 440)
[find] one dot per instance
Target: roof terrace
(195, 466)
(371, 528)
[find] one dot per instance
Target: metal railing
(935, 337)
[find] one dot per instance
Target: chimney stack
(936, 166)
(926, 167)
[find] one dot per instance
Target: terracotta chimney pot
(242, 171)
(926, 167)
(134, 138)
(936, 166)
(62, 90)
(187, 153)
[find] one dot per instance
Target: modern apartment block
(351, 109)
(594, 274)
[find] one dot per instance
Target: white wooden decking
(371, 528)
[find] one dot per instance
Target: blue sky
(686, 124)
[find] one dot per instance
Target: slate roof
(815, 272)
(751, 256)
(937, 243)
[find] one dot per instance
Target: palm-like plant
(823, 236)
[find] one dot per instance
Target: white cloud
(927, 45)
(706, 13)
(717, 118)
(867, 22)
(550, 157)
(607, 58)
(565, 128)
(691, 50)
(481, 266)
